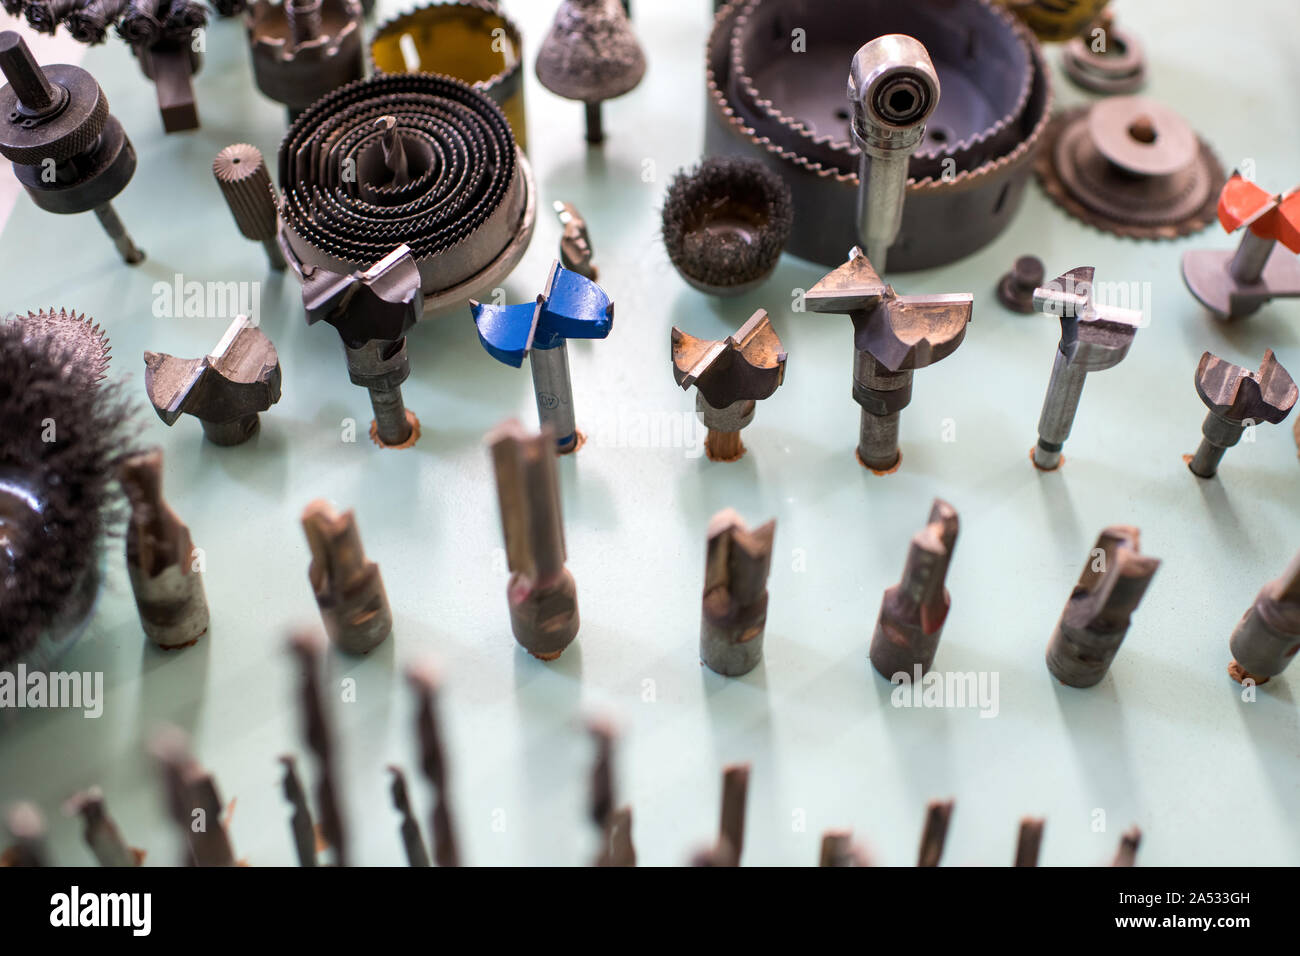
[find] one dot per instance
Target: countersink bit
(240, 172)
(542, 593)
(1029, 841)
(575, 243)
(349, 590)
(1234, 285)
(309, 649)
(935, 834)
(1016, 288)
(1237, 398)
(734, 616)
(433, 761)
(412, 841)
(68, 151)
(372, 310)
(893, 336)
(26, 828)
(101, 832)
(1093, 338)
(166, 577)
(893, 88)
(840, 849)
(1099, 610)
(735, 793)
(913, 611)
(300, 824)
(225, 390)
(570, 307)
(614, 823)
(730, 378)
(192, 801)
(1267, 637)
(1126, 855)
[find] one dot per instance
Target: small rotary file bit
(893, 88)
(1126, 855)
(309, 650)
(571, 307)
(241, 174)
(412, 841)
(433, 761)
(614, 824)
(1029, 841)
(575, 243)
(225, 390)
(542, 593)
(26, 828)
(372, 311)
(301, 825)
(192, 801)
(913, 611)
(1234, 285)
(736, 565)
(1098, 613)
(893, 336)
(161, 559)
(730, 378)
(349, 591)
(1267, 637)
(1236, 398)
(840, 849)
(101, 832)
(935, 834)
(69, 152)
(1093, 338)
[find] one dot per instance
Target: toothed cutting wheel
(772, 101)
(414, 159)
(1130, 166)
(80, 341)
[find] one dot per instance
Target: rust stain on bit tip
(1241, 675)
(1059, 463)
(411, 439)
(898, 463)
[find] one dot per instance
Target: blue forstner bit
(570, 307)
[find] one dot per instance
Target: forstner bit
(348, 587)
(893, 336)
(1237, 398)
(542, 593)
(101, 833)
(1099, 610)
(730, 378)
(426, 683)
(240, 172)
(734, 615)
(913, 611)
(225, 390)
(1267, 637)
(1093, 338)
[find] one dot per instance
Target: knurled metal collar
(59, 136)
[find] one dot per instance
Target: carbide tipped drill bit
(615, 825)
(349, 590)
(935, 834)
(575, 243)
(1267, 637)
(1237, 398)
(730, 378)
(433, 761)
(241, 173)
(731, 828)
(840, 849)
(192, 801)
(913, 611)
(542, 594)
(1128, 847)
(412, 841)
(1093, 338)
(1098, 613)
(101, 832)
(1029, 841)
(300, 824)
(26, 827)
(734, 614)
(309, 650)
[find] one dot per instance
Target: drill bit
(730, 378)
(101, 832)
(1029, 841)
(309, 650)
(736, 565)
(241, 174)
(1093, 338)
(160, 557)
(893, 336)
(542, 593)
(300, 824)
(225, 390)
(840, 849)
(935, 834)
(433, 761)
(575, 243)
(192, 801)
(615, 825)
(913, 611)
(893, 89)
(1099, 611)
(349, 591)
(412, 841)
(26, 828)
(1128, 847)
(1267, 637)
(1237, 398)
(731, 829)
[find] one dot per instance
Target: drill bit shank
(1267, 637)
